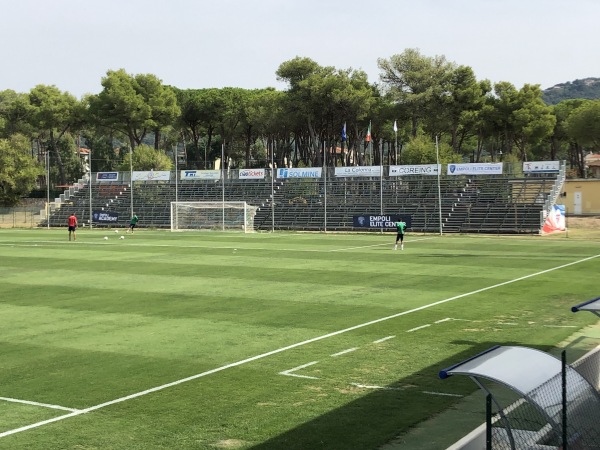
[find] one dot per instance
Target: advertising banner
(307, 172)
(200, 175)
(380, 221)
(421, 169)
(105, 216)
(541, 167)
(358, 171)
(151, 175)
(475, 169)
(256, 174)
(555, 221)
(107, 176)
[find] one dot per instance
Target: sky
(193, 44)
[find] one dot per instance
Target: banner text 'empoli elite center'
(475, 169)
(380, 220)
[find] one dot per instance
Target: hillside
(588, 88)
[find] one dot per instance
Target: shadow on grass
(381, 416)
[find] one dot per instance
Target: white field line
(343, 352)
(444, 394)
(289, 347)
(379, 245)
(290, 374)
(418, 328)
(443, 320)
(387, 338)
(387, 388)
(45, 405)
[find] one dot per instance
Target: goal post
(219, 216)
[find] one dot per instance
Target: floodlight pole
(47, 188)
(439, 169)
(272, 188)
(325, 187)
(223, 182)
(90, 183)
(131, 178)
(381, 179)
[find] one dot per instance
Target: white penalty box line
(286, 348)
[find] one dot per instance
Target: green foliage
(422, 150)
(18, 170)
(583, 124)
(586, 88)
(146, 158)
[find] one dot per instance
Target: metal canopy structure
(539, 379)
(591, 305)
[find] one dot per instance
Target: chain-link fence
(21, 217)
(563, 413)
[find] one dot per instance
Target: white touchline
(289, 347)
(290, 374)
(418, 328)
(379, 245)
(343, 352)
(45, 405)
(378, 341)
(441, 393)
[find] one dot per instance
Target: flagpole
(437, 157)
(396, 145)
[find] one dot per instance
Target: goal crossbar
(218, 216)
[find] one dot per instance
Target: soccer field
(266, 341)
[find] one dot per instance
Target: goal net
(220, 216)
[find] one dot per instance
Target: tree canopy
(425, 97)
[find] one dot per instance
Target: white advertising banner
(541, 167)
(200, 175)
(358, 171)
(475, 169)
(151, 175)
(307, 172)
(255, 174)
(421, 169)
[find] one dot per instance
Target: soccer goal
(219, 216)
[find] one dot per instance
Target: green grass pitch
(265, 341)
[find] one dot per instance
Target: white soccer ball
(106, 238)
(122, 237)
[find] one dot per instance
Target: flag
(369, 133)
(395, 127)
(344, 137)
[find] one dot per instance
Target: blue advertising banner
(105, 216)
(380, 221)
(107, 176)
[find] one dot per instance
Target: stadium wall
(586, 192)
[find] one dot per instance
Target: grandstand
(469, 203)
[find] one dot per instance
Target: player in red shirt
(72, 226)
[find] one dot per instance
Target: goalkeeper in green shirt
(400, 227)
